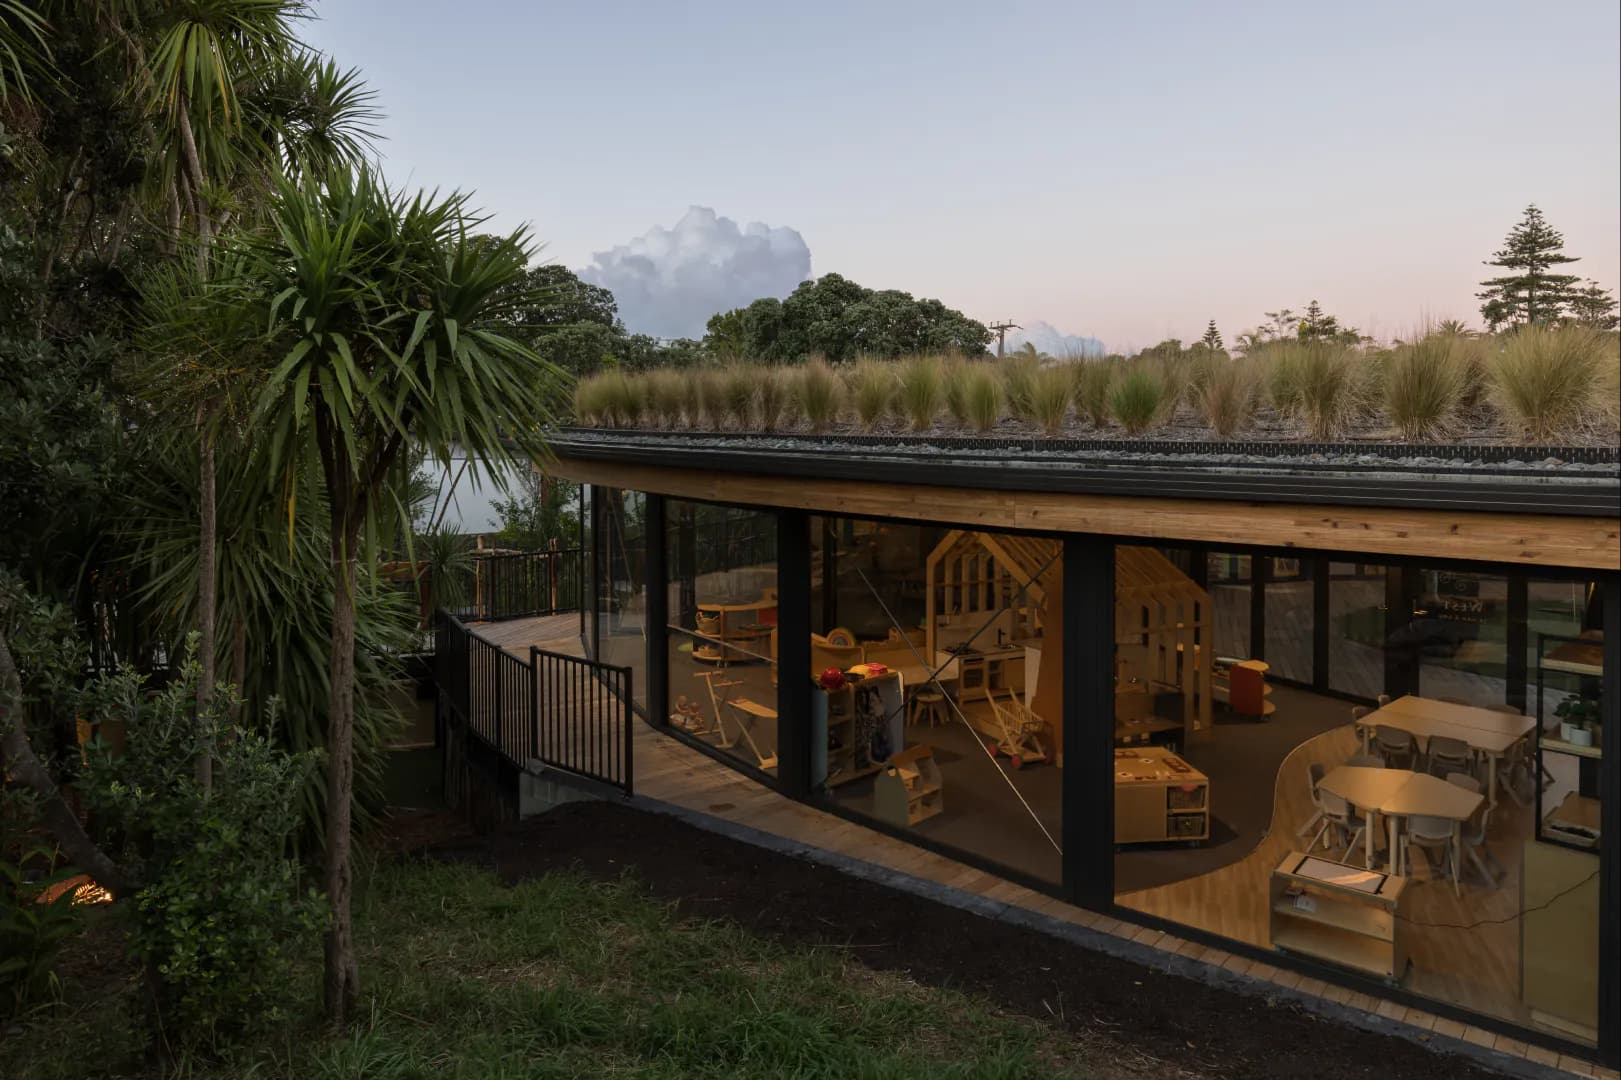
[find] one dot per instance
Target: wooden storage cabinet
(1159, 797)
(839, 753)
(910, 788)
(1339, 913)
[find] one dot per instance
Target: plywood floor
(1475, 966)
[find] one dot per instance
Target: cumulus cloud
(1049, 339)
(668, 282)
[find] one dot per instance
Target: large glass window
(1229, 583)
(723, 628)
(937, 705)
(1356, 629)
(621, 606)
(1289, 619)
(1444, 840)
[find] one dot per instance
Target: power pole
(1001, 329)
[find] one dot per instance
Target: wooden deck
(669, 771)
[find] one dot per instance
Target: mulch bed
(1178, 1020)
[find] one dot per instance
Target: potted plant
(1578, 720)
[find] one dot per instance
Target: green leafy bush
(221, 912)
(1137, 398)
(37, 913)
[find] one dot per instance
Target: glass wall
(621, 584)
(722, 644)
(935, 708)
(1356, 629)
(1446, 841)
(1228, 581)
(1289, 619)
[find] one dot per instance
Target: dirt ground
(1179, 1021)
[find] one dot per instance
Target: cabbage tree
(384, 320)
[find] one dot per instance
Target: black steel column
(1320, 628)
(1518, 640)
(1088, 719)
(657, 614)
(793, 652)
(1260, 566)
(593, 573)
(1609, 890)
(1401, 642)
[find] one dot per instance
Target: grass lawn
(564, 976)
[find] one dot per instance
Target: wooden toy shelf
(1340, 913)
(1159, 797)
(910, 788)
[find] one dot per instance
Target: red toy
(832, 679)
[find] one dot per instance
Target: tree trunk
(342, 971)
(24, 767)
(206, 588)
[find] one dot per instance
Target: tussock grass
(1092, 379)
(1329, 382)
(1224, 393)
(1552, 382)
(1018, 384)
(590, 401)
(954, 378)
(872, 388)
(710, 398)
(982, 397)
(1050, 391)
(610, 399)
(667, 397)
(920, 393)
(771, 396)
(1137, 397)
(1424, 384)
(739, 388)
(818, 394)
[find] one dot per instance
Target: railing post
(551, 576)
(627, 718)
(496, 671)
(534, 702)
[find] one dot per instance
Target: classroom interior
(1386, 767)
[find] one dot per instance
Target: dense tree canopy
(839, 319)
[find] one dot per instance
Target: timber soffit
(1466, 483)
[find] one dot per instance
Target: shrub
(739, 383)
(1137, 398)
(1018, 383)
(221, 912)
(920, 392)
(818, 393)
(1224, 393)
(982, 397)
(954, 379)
(1424, 385)
(1092, 379)
(771, 396)
(667, 393)
(1551, 382)
(33, 925)
(872, 388)
(1050, 391)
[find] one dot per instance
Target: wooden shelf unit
(833, 718)
(910, 788)
(1343, 925)
(1159, 797)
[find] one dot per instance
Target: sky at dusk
(1123, 171)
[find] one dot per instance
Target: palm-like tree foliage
(382, 321)
(24, 52)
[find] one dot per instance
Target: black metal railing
(528, 584)
(567, 712)
(582, 719)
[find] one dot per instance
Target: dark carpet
(1241, 758)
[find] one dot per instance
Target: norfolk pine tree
(1531, 294)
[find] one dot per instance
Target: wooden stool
(930, 705)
